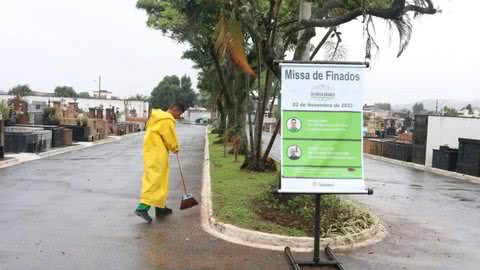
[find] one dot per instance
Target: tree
(21, 90)
(273, 30)
(139, 97)
(418, 108)
(469, 108)
(249, 35)
(171, 90)
(4, 110)
(186, 95)
(383, 106)
(84, 95)
(64, 91)
(447, 111)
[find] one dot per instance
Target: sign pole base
(316, 262)
(332, 260)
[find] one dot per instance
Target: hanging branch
(272, 139)
(320, 44)
(395, 11)
(339, 40)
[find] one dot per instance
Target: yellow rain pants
(160, 138)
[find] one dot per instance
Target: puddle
(463, 199)
(460, 189)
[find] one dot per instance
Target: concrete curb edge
(269, 241)
(456, 175)
(8, 162)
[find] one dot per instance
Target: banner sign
(321, 128)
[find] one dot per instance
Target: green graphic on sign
(326, 145)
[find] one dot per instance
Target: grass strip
(245, 199)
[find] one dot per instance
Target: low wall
(446, 131)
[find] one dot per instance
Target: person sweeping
(160, 139)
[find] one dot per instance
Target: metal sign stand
(332, 259)
(316, 262)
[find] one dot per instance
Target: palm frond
(404, 28)
(235, 46)
(220, 38)
(228, 37)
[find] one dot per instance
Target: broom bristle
(188, 202)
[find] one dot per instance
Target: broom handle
(181, 174)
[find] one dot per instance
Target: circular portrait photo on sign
(294, 124)
(294, 152)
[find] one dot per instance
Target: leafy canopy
(171, 90)
(21, 90)
(418, 108)
(64, 91)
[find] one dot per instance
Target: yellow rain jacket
(160, 138)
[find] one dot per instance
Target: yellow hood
(159, 115)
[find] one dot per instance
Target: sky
(57, 42)
(442, 60)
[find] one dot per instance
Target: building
(41, 94)
(466, 113)
(102, 94)
(445, 131)
(38, 103)
(197, 115)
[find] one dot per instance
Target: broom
(187, 199)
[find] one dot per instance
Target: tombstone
(109, 115)
(37, 106)
(1, 131)
(17, 104)
(91, 112)
(71, 111)
(133, 113)
(99, 113)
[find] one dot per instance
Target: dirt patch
(338, 217)
(278, 217)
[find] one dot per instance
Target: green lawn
(245, 199)
(235, 192)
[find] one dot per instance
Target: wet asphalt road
(433, 221)
(75, 211)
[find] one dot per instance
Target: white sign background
(322, 94)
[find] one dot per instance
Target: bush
(4, 110)
(340, 217)
(50, 116)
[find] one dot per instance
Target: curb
(8, 162)
(62, 151)
(66, 150)
(456, 175)
(269, 241)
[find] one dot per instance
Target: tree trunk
(272, 103)
(272, 140)
(263, 98)
(242, 120)
(223, 117)
(303, 46)
(250, 129)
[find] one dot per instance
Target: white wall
(447, 130)
(86, 103)
(193, 116)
